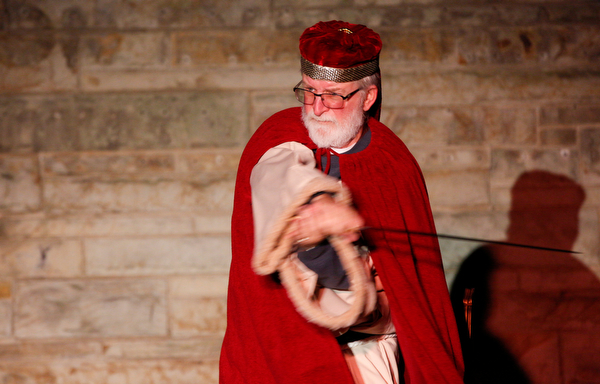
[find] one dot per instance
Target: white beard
(327, 132)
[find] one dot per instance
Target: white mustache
(321, 119)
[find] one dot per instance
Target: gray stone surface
(112, 371)
(507, 165)
(457, 188)
(129, 121)
(198, 305)
(157, 255)
(19, 184)
(469, 87)
(41, 258)
(590, 139)
(90, 308)
(203, 194)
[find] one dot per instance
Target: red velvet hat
(339, 51)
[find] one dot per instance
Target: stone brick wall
(122, 121)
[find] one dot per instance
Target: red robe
(268, 342)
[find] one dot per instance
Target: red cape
(267, 341)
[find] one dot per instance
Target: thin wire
(462, 238)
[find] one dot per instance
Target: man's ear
(372, 92)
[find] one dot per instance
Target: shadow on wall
(535, 315)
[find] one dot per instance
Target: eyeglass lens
(329, 101)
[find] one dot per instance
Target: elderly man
(329, 281)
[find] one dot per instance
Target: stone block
(588, 239)
(90, 308)
(17, 126)
(410, 15)
(421, 125)
(53, 13)
(204, 193)
(131, 121)
(208, 160)
(541, 359)
(19, 183)
(431, 88)
(118, 14)
(389, 2)
(114, 372)
(559, 136)
(210, 79)
(523, 45)
(580, 356)
(266, 104)
(181, 14)
(418, 46)
(572, 281)
(5, 289)
(474, 224)
(308, 3)
(450, 158)
(235, 47)
(592, 197)
(508, 282)
(109, 225)
(41, 258)
(513, 311)
(156, 255)
(575, 12)
(78, 163)
(457, 188)
(561, 115)
(34, 63)
(109, 181)
(103, 225)
(486, 15)
(577, 45)
(379, 14)
(473, 47)
(212, 224)
(539, 312)
(500, 196)
(508, 164)
(42, 350)
(253, 13)
(198, 305)
(26, 40)
(206, 348)
(510, 126)
(467, 126)
(5, 318)
(590, 155)
(578, 313)
(300, 18)
(125, 50)
(499, 42)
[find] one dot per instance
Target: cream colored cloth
(283, 173)
(374, 360)
(280, 175)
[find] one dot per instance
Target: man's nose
(318, 107)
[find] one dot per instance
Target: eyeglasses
(330, 100)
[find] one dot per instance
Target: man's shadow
(512, 303)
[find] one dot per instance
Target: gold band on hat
(338, 75)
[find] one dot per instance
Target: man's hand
(324, 217)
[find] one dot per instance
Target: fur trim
(365, 296)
